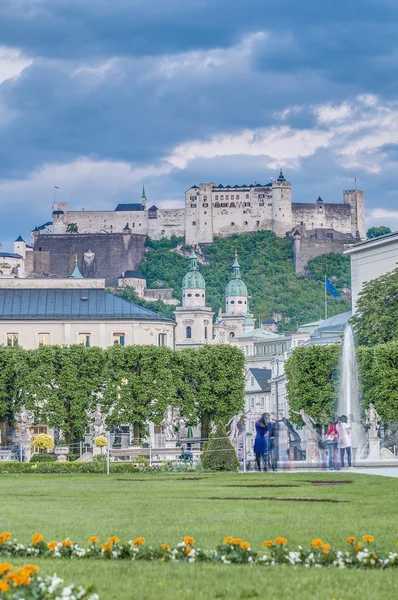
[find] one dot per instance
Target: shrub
(41, 458)
(44, 441)
(218, 453)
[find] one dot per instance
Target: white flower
(250, 559)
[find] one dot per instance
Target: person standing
(260, 443)
(332, 440)
(344, 442)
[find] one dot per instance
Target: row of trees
(313, 380)
(134, 384)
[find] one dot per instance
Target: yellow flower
(66, 543)
(5, 567)
(37, 538)
(138, 541)
(368, 538)
(245, 545)
(326, 548)
(317, 543)
(268, 544)
(228, 540)
(93, 539)
(165, 547)
(237, 541)
(107, 547)
(6, 535)
(189, 541)
(113, 540)
(280, 540)
(4, 587)
(52, 545)
(358, 547)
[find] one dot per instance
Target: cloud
(12, 63)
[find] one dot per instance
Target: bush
(42, 458)
(218, 453)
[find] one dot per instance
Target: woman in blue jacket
(260, 443)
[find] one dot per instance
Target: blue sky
(99, 96)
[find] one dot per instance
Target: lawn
(164, 508)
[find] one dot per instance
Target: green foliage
(218, 453)
(171, 242)
(312, 382)
(267, 269)
(376, 319)
(11, 363)
(378, 368)
(72, 228)
(377, 231)
(157, 306)
(96, 466)
(42, 458)
(336, 267)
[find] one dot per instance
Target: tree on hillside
(376, 319)
(335, 266)
(377, 231)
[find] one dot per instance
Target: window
(227, 197)
(189, 295)
(261, 203)
(216, 197)
(239, 301)
(192, 197)
(245, 223)
(232, 302)
(247, 196)
(43, 339)
(232, 223)
(12, 339)
(221, 197)
(231, 335)
(188, 332)
(237, 196)
(252, 402)
(119, 339)
(252, 425)
(162, 339)
(262, 402)
(252, 381)
(205, 205)
(205, 198)
(197, 295)
(224, 204)
(205, 333)
(193, 205)
(84, 339)
(232, 205)
(193, 222)
(247, 203)
(216, 205)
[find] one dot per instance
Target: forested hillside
(267, 269)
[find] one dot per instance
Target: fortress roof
(129, 207)
(132, 275)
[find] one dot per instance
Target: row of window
(188, 332)
(84, 339)
(262, 402)
(196, 295)
(239, 302)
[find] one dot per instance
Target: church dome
(193, 279)
(235, 286)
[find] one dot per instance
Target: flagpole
(326, 302)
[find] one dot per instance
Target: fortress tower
(281, 205)
(355, 199)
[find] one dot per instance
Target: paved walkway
(386, 471)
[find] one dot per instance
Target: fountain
(349, 403)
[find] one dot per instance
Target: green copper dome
(235, 286)
(194, 278)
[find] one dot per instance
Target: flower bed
(362, 554)
(96, 466)
(24, 583)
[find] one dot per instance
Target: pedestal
(170, 444)
(97, 451)
(374, 449)
(312, 452)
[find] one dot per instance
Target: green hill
(267, 269)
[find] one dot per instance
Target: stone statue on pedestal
(170, 423)
(310, 432)
(97, 425)
(25, 419)
(372, 419)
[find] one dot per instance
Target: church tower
(235, 318)
(194, 319)
(143, 197)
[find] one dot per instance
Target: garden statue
(235, 427)
(97, 422)
(25, 419)
(310, 432)
(372, 419)
(169, 424)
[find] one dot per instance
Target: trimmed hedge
(42, 458)
(66, 467)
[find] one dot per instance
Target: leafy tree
(376, 319)
(335, 266)
(11, 362)
(379, 379)
(159, 307)
(218, 453)
(377, 231)
(72, 228)
(312, 381)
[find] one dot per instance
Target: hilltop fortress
(216, 210)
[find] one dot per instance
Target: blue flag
(330, 288)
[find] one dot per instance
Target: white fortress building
(216, 210)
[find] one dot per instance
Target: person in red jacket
(332, 439)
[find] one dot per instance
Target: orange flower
(326, 548)
(93, 539)
(237, 541)
(358, 547)
(37, 538)
(189, 541)
(113, 540)
(5, 567)
(228, 540)
(107, 547)
(268, 544)
(6, 535)
(188, 550)
(368, 538)
(317, 543)
(30, 569)
(245, 545)
(138, 541)
(4, 587)
(350, 540)
(280, 540)
(165, 547)
(52, 545)
(66, 543)
(2, 540)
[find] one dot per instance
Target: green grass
(164, 508)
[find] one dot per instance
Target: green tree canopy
(376, 318)
(377, 231)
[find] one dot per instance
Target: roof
(339, 320)
(19, 239)
(132, 275)
(377, 241)
(153, 207)
(258, 334)
(43, 226)
(194, 278)
(129, 207)
(263, 377)
(87, 304)
(268, 321)
(232, 187)
(9, 255)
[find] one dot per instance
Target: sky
(98, 97)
